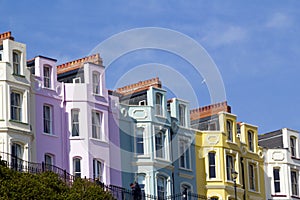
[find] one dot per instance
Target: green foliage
(16, 185)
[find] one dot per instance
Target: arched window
(293, 145)
(212, 164)
(159, 104)
(161, 187)
(47, 76)
(17, 156)
(96, 83)
(276, 178)
(141, 179)
(250, 140)
(16, 62)
(49, 161)
(229, 130)
(77, 166)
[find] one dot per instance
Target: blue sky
(254, 44)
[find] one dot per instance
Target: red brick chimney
(140, 86)
(75, 64)
(209, 110)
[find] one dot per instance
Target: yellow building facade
(224, 149)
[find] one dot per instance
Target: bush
(47, 185)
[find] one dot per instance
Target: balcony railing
(118, 193)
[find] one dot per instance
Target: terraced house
(229, 153)
(282, 163)
(16, 136)
(155, 154)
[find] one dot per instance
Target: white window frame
(75, 124)
(17, 152)
(76, 171)
(231, 168)
(160, 148)
(212, 165)
(184, 153)
(98, 169)
(250, 140)
(140, 140)
(16, 62)
(48, 120)
(77, 80)
(229, 128)
(161, 190)
(16, 106)
(47, 71)
(141, 179)
(97, 125)
(96, 83)
(295, 186)
(293, 146)
(182, 108)
(252, 176)
(159, 104)
(276, 181)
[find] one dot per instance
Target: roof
(271, 140)
(139, 86)
(209, 110)
(76, 64)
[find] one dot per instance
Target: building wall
(219, 143)
(53, 144)
(281, 158)
(14, 131)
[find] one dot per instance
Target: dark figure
(136, 191)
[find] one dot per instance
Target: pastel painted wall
(55, 143)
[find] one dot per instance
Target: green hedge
(16, 185)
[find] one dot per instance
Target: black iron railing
(117, 192)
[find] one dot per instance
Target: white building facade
(16, 137)
(282, 164)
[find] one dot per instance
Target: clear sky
(255, 44)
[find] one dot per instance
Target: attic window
(77, 80)
(142, 103)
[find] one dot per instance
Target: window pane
(212, 167)
(75, 122)
(47, 119)
(276, 179)
(16, 106)
(47, 77)
(229, 130)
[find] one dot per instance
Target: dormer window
(96, 83)
(159, 103)
(16, 63)
(182, 115)
(47, 76)
(250, 141)
(229, 130)
(293, 146)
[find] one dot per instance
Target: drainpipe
(243, 177)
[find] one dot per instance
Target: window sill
(278, 195)
(97, 95)
(19, 122)
(48, 88)
(296, 197)
(162, 160)
(254, 191)
(76, 138)
(185, 169)
(295, 158)
(231, 142)
(19, 75)
(144, 156)
(98, 140)
(213, 180)
(51, 135)
(160, 116)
